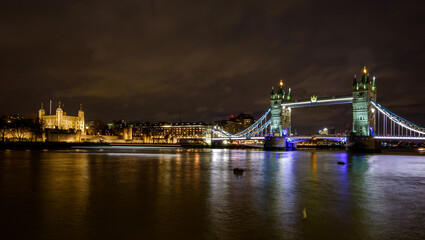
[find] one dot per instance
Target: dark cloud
(205, 60)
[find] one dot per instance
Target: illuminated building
(324, 131)
(168, 132)
(236, 123)
(239, 123)
(61, 127)
(61, 121)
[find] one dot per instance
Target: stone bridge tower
(363, 113)
(280, 117)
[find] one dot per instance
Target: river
(161, 193)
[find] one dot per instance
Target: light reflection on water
(181, 194)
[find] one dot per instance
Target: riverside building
(61, 121)
(61, 127)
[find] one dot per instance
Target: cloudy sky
(154, 60)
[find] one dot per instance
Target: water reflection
(64, 191)
(180, 193)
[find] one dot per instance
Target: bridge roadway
(319, 101)
(328, 137)
(292, 138)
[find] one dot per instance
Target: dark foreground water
(194, 194)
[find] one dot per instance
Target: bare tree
(4, 128)
(36, 128)
(21, 128)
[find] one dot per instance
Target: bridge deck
(329, 137)
(320, 101)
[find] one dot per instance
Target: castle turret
(281, 91)
(59, 116)
(365, 78)
(41, 113)
(81, 112)
(355, 83)
(289, 95)
(272, 94)
(81, 119)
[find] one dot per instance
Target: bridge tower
(280, 116)
(276, 100)
(280, 125)
(363, 112)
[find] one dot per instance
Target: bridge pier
(279, 143)
(363, 144)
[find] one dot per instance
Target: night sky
(204, 60)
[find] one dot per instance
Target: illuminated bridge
(371, 121)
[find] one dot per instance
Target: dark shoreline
(66, 146)
(40, 145)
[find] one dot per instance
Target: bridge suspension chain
(251, 128)
(394, 125)
(261, 124)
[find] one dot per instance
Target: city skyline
(153, 61)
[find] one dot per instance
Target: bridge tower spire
(363, 112)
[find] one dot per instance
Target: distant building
(61, 121)
(326, 131)
(137, 132)
(237, 123)
(61, 127)
(168, 132)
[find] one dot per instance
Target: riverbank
(64, 145)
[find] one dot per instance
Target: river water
(194, 194)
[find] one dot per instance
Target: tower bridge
(371, 121)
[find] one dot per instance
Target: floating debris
(238, 171)
(304, 214)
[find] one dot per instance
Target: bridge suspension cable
(390, 125)
(261, 128)
(253, 126)
(222, 133)
(260, 125)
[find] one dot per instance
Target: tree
(22, 128)
(18, 129)
(36, 128)
(4, 128)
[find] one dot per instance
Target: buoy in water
(238, 171)
(304, 214)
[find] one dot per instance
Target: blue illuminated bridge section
(327, 137)
(292, 138)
